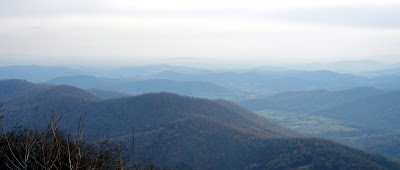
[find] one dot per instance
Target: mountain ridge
(203, 133)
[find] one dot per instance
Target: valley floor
(383, 141)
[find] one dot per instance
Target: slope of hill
(153, 110)
(369, 106)
(15, 87)
(106, 94)
(381, 110)
(202, 133)
(387, 143)
(224, 147)
(363, 117)
(308, 101)
(359, 105)
(21, 107)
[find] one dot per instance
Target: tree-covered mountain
(358, 105)
(174, 129)
(107, 94)
(361, 117)
(380, 110)
(308, 101)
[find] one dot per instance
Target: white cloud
(252, 30)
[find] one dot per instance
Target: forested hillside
(361, 117)
(174, 129)
(308, 101)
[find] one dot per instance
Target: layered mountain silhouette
(197, 88)
(173, 129)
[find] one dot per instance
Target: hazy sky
(242, 31)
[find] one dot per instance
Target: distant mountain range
(384, 72)
(36, 73)
(195, 88)
(230, 85)
(234, 85)
(174, 129)
(359, 67)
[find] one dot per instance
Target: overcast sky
(121, 32)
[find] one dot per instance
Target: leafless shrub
(50, 148)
